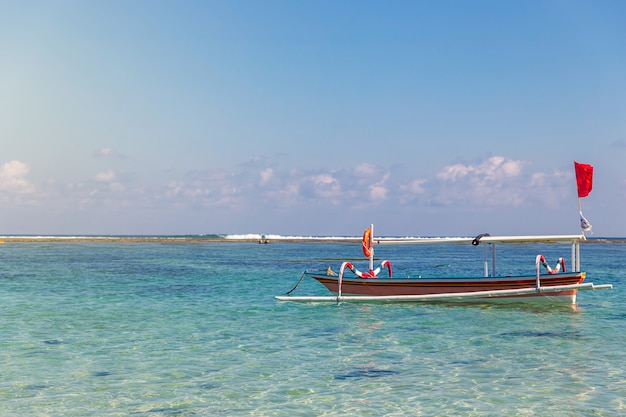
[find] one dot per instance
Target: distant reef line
(202, 239)
(161, 239)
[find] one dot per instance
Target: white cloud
(174, 188)
(413, 187)
(323, 186)
(493, 169)
(409, 191)
(366, 170)
(497, 181)
(106, 176)
(13, 178)
(108, 153)
(266, 176)
(454, 172)
(117, 187)
(378, 192)
(206, 189)
(111, 180)
(552, 188)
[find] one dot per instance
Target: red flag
(584, 178)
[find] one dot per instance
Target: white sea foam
(232, 237)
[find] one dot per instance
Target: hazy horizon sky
(311, 117)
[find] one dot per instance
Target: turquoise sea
(191, 328)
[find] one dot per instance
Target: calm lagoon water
(193, 329)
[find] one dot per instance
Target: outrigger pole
(446, 296)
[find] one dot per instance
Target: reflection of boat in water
(554, 285)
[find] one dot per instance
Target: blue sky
(311, 117)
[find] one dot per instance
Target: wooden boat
(552, 285)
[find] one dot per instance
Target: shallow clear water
(184, 329)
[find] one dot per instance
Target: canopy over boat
(485, 238)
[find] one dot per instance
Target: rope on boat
(294, 288)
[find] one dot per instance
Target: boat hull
(385, 287)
